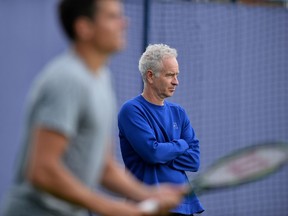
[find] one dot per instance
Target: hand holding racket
(240, 167)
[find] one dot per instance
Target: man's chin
(170, 94)
(116, 47)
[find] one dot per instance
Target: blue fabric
(158, 145)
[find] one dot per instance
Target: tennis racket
(243, 166)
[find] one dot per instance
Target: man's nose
(175, 81)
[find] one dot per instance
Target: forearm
(189, 161)
(122, 182)
(46, 172)
(58, 181)
(116, 179)
(153, 152)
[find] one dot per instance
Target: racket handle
(149, 206)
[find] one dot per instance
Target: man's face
(108, 26)
(165, 84)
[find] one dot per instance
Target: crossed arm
(181, 154)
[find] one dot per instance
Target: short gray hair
(152, 58)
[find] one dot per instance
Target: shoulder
(132, 103)
(62, 73)
(177, 110)
(175, 107)
(66, 67)
(131, 107)
(59, 80)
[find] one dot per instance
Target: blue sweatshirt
(158, 144)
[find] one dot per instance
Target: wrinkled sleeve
(190, 159)
(135, 128)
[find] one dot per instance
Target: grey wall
(233, 81)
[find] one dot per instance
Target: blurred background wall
(233, 80)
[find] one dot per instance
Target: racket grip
(149, 206)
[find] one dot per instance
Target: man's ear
(149, 76)
(83, 28)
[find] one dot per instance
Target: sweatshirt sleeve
(190, 159)
(134, 127)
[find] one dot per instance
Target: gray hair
(152, 58)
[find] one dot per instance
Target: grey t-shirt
(69, 99)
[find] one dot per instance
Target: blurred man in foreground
(66, 148)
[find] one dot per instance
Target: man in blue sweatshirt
(158, 143)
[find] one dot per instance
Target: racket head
(243, 166)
